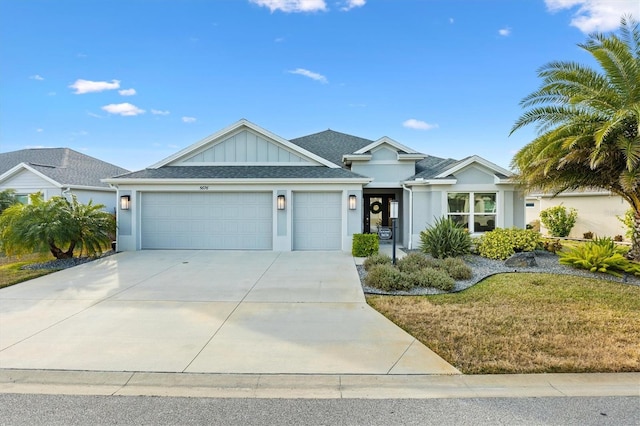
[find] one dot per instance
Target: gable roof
(438, 169)
(63, 166)
(237, 126)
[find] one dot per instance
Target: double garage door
(237, 221)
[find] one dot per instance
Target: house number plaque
(204, 188)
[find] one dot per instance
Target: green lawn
(10, 272)
(526, 323)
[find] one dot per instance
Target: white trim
(25, 166)
(262, 163)
(388, 141)
(471, 160)
(425, 182)
(234, 127)
(207, 181)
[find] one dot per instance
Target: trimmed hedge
(365, 245)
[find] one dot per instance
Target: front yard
(526, 323)
(10, 272)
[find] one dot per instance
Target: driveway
(206, 312)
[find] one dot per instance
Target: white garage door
(317, 221)
(231, 221)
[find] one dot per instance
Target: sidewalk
(318, 386)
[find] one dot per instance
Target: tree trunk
(634, 253)
(58, 253)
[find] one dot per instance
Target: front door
(376, 213)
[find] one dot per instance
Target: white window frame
(471, 213)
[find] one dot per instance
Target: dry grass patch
(526, 323)
(10, 272)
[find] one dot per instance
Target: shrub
(386, 277)
(588, 235)
(445, 239)
(618, 238)
(558, 220)
(376, 259)
(413, 262)
(502, 243)
(431, 277)
(600, 255)
(365, 245)
(629, 223)
(534, 225)
(456, 268)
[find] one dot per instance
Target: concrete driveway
(206, 312)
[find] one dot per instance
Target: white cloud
(36, 77)
(292, 5)
(596, 15)
(312, 75)
(188, 119)
(352, 4)
(94, 115)
(412, 123)
(86, 86)
(127, 92)
(505, 31)
(125, 109)
(39, 130)
(159, 112)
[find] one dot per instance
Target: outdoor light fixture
(125, 202)
(281, 202)
(352, 202)
(393, 214)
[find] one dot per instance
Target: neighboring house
(247, 188)
(598, 211)
(58, 172)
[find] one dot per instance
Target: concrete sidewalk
(318, 386)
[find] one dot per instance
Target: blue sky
(131, 82)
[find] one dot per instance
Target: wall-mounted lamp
(125, 202)
(281, 202)
(352, 202)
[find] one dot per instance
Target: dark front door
(376, 213)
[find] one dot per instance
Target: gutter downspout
(410, 215)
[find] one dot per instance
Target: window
(476, 216)
(22, 198)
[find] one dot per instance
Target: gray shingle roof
(242, 172)
(431, 167)
(63, 165)
(331, 145)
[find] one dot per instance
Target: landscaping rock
(525, 259)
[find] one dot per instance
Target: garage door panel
(317, 221)
(240, 221)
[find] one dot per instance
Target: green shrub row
(414, 270)
(502, 242)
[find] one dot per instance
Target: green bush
(386, 277)
(445, 239)
(558, 220)
(551, 245)
(502, 243)
(600, 255)
(376, 259)
(413, 262)
(365, 245)
(456, 268)
(431, 277)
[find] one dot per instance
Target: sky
(133, 81)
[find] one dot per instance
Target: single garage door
(208, 220)
(317, 220)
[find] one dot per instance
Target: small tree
(57, 225)
(558, 220)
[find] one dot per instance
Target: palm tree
(588, 124)
(57, 225)
(7, 199)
